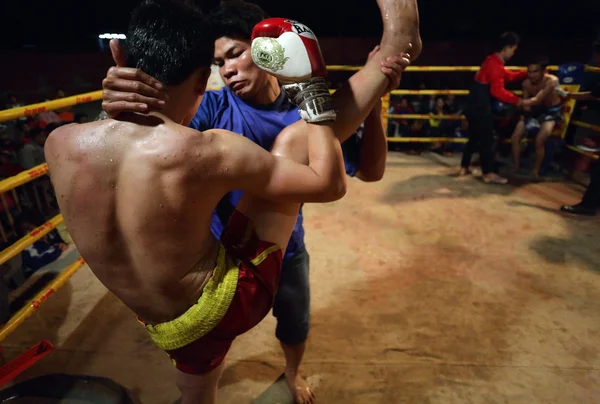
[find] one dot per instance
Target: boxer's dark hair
(507, 39)
(541, 61)
(236, 19)
(169, 40)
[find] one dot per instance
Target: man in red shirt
(488, 83)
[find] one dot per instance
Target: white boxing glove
(289, 51)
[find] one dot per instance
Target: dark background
(50, 45)
(68, 25)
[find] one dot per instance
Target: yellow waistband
(203, 316)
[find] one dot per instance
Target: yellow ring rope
(29, 175)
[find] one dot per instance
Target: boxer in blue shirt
(253, 105)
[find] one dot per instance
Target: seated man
(540, 119)
(138, 192)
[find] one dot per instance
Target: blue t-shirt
(261, 124)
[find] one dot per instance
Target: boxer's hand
(131, 90)
(289, 51)
(527, 104)
(392, 67)
(561, 93)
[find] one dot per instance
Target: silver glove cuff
(313, 100)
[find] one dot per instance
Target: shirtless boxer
(157, 254)
(253, 105)
(541, 118)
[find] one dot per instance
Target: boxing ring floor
(426, 288)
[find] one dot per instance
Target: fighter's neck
(268, 94)
(176, 110)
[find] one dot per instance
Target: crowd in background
(29, 206)
(33, 204)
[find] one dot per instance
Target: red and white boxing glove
(289, 51)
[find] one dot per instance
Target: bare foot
(464, 171)
(494, 178)
(300, 389)
(401, 26)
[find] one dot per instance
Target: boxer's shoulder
(550, 79)
(61, 138)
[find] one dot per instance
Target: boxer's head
(234, 21)
(170, 40)
(536, 68)
(507, 45)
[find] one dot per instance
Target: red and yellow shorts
(239, 294)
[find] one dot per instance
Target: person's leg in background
(486, 151)
(515, 139)
(546, 129)
(292, 310)
(591, 199)
(472, 144)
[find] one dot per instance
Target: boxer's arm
(592, 95)
(373, 148)
(250, 168)
(373, 145)
(497, 89)
(548, 89)
(511, 76)
(582, 96)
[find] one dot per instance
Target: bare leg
(199, 389)
(546, 129)
(516, 143)
(275, 222)
(299, 388)
(355, 100)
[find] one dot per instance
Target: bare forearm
(373, 151)
(582, 96)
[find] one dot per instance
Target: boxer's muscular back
(138, 209)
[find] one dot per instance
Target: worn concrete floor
(425, 289)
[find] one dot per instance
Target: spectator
(65, 114)
(436, 125)
(7, 166)
(47, 117)
(12, 126)
(32, 153)
(400, 126)
(81, 118)
(13, 101)
(42, 252)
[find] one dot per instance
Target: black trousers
(591, 198)
(481, 138)
(481, 127)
